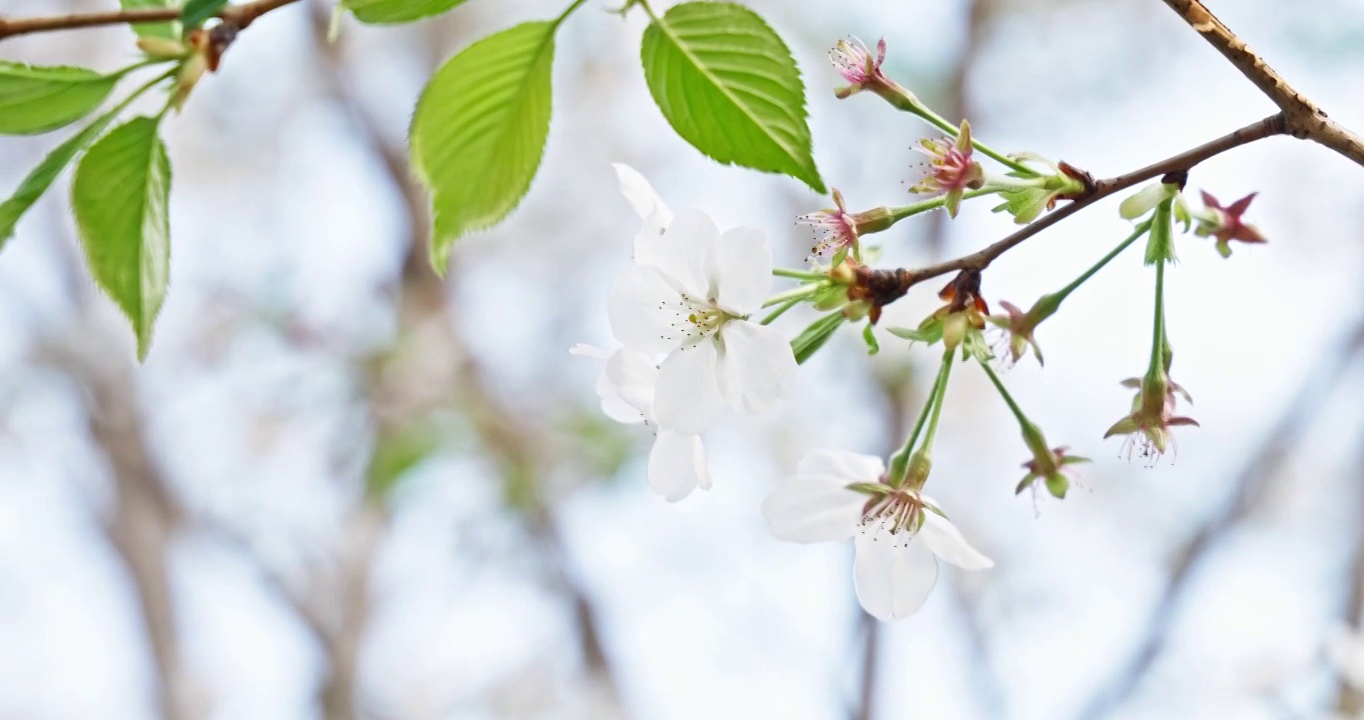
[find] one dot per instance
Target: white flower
(688, 297)
(899, 534)
(677, 462)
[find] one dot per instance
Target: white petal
(633, 376)
(850, 467)
(682, 252)
(687, 398)
(613, 404)
(677, 465)
(756, 367)
(946, 541)
(589, 351)
(641, 194)
(893, 578)
(741, 270)
(634, 309)
(813, 509)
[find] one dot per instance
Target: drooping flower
(951, 169)
(1051, 467)
(899, 534)
(859, 68)
(687, 298)
(835, 228)
(1020, 327)
(626, 386)
(1225, 223)
(1148, 426)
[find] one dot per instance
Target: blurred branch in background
(404, 394)
(1349, 698)
(1248, 489)
(145, 518)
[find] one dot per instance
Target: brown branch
(238, 15)
(1303, 119)
(1183, 162)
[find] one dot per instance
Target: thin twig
(1249, 487)
(239, 15)
(979, 260)
(1303, 119)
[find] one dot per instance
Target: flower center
(694, 319)
(898, 514)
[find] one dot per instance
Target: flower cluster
(692, 346)
(689, 350)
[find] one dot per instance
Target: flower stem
(1004, 393)
(1158, 332)
(571, 9)
(899, 462)
(781, 310)
(794, 294)
(905, 211)
(943, 373)
(941, 123)
(798, 274)
(1086, 275)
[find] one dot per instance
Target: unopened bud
(161, 47)
(920, 465)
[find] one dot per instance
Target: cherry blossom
(899, 534)
(687, 299)
(677, 462)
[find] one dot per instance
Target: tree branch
(238, 15)
(981, 259)
(1303, 119)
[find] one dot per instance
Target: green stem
(122, 72)
(899, 462)
(798, 274)
(943, 373)
(574, 6)
(1084, 277)
(905, 211)
(795, 293)
(780, 311)
(123, 105)
(1158, 332)
(1004, 393)
(941, 123)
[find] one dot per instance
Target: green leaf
(869, 337)
(36, 99)
(42, 176)
(198, 11)
(728, 85)
(479, 131)
(120, 198)
(168, 30)
(384, 12)
(813, 338)
(928, 333)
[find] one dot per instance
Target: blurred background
(341, 488)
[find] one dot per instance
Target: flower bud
(920, 465)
